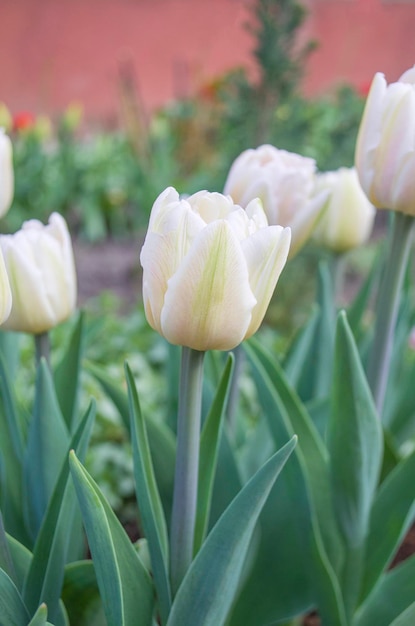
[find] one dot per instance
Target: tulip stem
(388, 306)
(187, 465)
(42, 347)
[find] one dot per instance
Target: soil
(109, 266)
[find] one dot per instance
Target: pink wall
(53, 52)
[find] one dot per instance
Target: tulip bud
(40, 265)
(284, 182)
(209, 269)
(6, 173)
(385, 150)
(347, 218)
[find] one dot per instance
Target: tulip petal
(5, 292)
(370, 132)
(266, 253)
(162, 254)
(305, 221)
(6, 173)
(208, 303)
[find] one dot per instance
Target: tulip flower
(6, 173)
(284, 182)
(40, 265)
(347, 218)
(209, 269)
(385, 162)
(385, 150)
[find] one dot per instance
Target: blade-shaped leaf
(355, 442)
(40, 618)
(67, 374)
(47, 446)
(394, 593)
(149, 502)
(45, 576)
(392, 513)
(125, 585)
(81, 595)
(298, 566)
(407, 618)
(296, 357)
(355, 439)
(209, 449)
(12, 609)
(208, 589)
(161, 439)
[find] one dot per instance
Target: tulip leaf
(407, 618)
(316, 376)
(21, 558)
(355, 442)
(45, 576)
(12, 609)
(81, 595)
(392, 596)
(11, 449)
(67, 374)
(47, 445)
(207, 592)
(391, 516)
(40, 618)
(304, 515)
(125, 585)
(6, 561)
(151, 510)
(161, 439)
(209, 448)
(296, 358)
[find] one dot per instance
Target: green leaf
(67, 374)
(47, 445)
(209, 449)
(394, 593)
(407, 618)
(125, 585)
(40, 618)
(355, 440)
(161, 439)
(296, 357)
(209, 587)
(80, 595)
(45, 576)
(21, 558)
(12, 609)
(316, 379)
(392, 514)
(299, 566)
(151, 510)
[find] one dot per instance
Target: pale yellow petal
(266, 253)
(208, 303)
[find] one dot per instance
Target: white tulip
(40, 265)
(385, 150)
(284, 182)
(6, 173)
(209, 269)
(347, 218)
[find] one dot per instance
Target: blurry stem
(388, 305)
(338, 273)
(187, 465)
(235, 388)
(42, 347)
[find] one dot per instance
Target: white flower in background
(209, 269)
(6, 173)
(41, 269)
(284, 182)
(347, 218)
(385, 149)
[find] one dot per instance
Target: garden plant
(271, 475)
